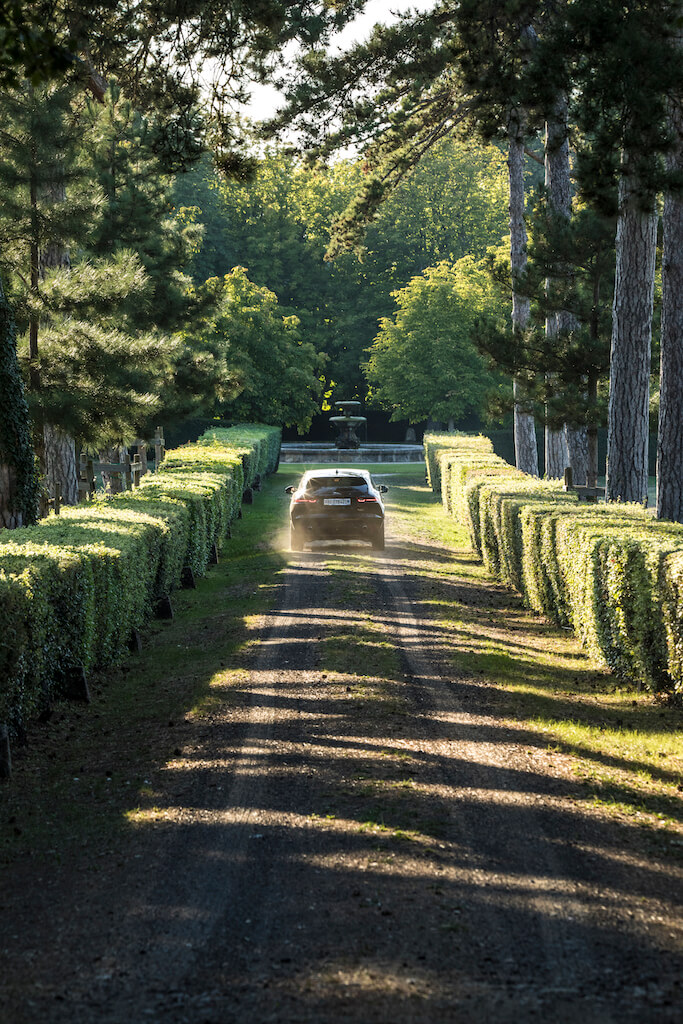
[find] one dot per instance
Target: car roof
(337, 473)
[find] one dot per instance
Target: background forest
(455, 217)
(278, 227)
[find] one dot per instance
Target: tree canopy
(424, 362)
(279, 226)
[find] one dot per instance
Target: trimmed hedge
(75, 586)
(612, 572)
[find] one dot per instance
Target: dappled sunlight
(397, 858)
(365, 807)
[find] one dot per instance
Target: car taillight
(305, 501)
(365, 500)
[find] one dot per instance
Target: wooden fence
(123, 475)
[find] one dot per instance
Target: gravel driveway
(333, 842)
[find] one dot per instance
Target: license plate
(336, 501)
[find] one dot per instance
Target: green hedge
(73, 587)
(611, 572)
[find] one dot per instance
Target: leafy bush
(74, 586)
(611, 572)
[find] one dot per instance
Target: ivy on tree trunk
(18, 479)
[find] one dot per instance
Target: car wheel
(296, 541)
(378, 539)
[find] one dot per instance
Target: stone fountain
(346, 423)
(347, 447)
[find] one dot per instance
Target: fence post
(115, 480)
(142, 455)
(58, 498)
(86, 477)
(82, 477)
(136, 467)
(159, 449)
(127, 471)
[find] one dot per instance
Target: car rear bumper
(338, 525)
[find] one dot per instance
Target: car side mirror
(383, 488)
(290, 489)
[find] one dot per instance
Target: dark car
(336, 503)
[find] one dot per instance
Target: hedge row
(611, 572)
(75, 586)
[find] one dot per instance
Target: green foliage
(259, 445)
(39, 159)
(569, 279)
(97, 382)
(137, 212)
(29, 46)
(425, 362)
(611, 572)
(276, 374)
(278, 226)
(624, 64)
(74, 586)
(91, 372)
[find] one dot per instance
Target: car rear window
(316, 485)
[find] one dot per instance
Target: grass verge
(624, 747)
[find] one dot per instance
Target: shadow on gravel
(404, 862)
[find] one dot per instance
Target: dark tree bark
(670, 436)
(58, 448)
(526, 451)
(556, 453)
(567, 447)
(629, 393)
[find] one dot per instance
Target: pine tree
(412, 84)
(577, 255)
(159, 54)
(138, 213)
(37, 164)
(624, 65)
(93, 374)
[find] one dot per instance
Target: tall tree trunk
(526, 451)
(59, 448)
(578, 444)
(18, 482)
(629, 392)
(60, 462)
(670, 435)
(562, 447)
(592, 431)
(556, 454)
